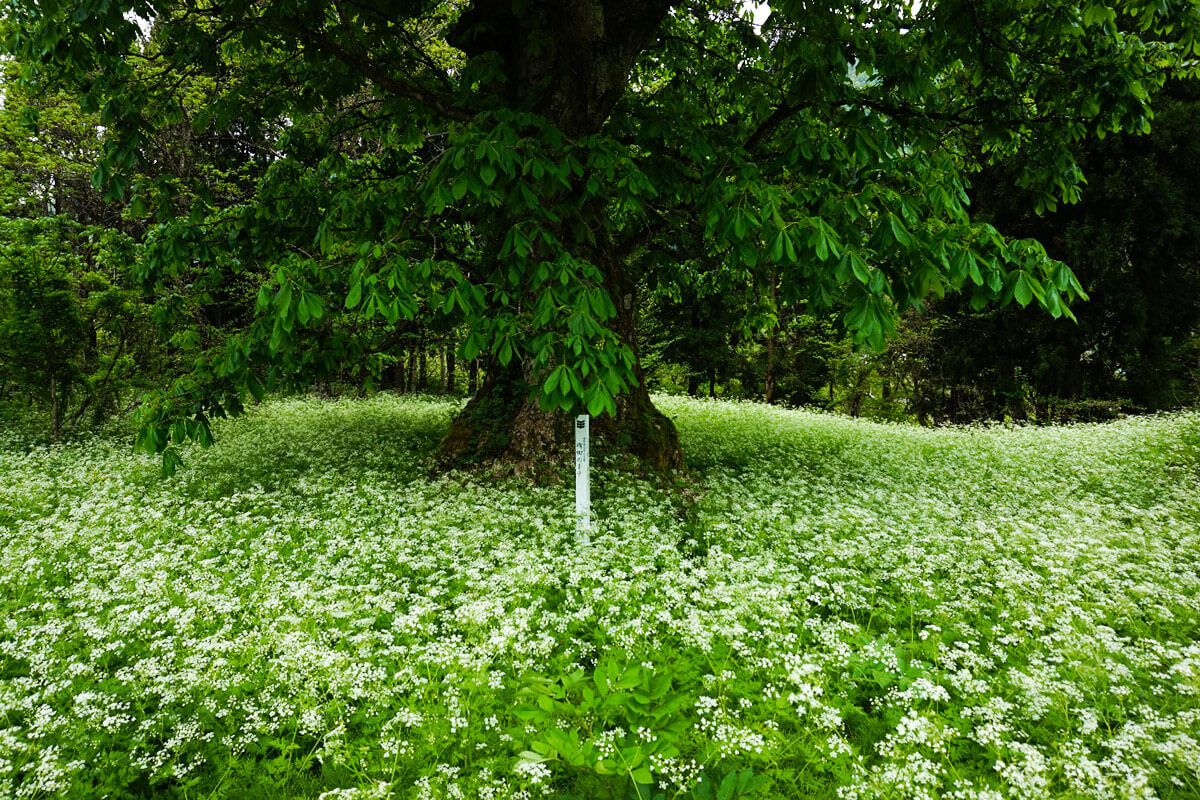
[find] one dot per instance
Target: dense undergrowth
(844, 610)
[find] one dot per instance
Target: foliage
(73, 335)
(41, 327)
(1134, 240)
(849, 609)
(697, 330)
(519, 168)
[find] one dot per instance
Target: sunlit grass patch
(847, 610)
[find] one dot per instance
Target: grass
(848, 610)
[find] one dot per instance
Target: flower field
(831, 608)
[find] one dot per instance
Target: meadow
(828, 608)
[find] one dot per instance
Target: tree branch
(383, 80)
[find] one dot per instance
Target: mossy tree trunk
(569, 63)
(503, 427)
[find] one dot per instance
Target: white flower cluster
(870, 600)
(725, 730)
(681, 773)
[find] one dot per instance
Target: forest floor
(827, 608)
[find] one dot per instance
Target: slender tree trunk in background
(473, 376)
(769, 378)
(921, 402)
(854, 406)
(441, 357)
(423, 380)
(55, 412)
(451, 386)
(396, 375)
(693, 388)
(411, 383)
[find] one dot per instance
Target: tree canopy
(525, 167)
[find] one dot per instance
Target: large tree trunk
(569, 61)
(504, 427)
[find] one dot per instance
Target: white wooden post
(583, 487)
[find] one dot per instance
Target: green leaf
(600, 676)
(789, 248)
(821, 243)
(1097, 14)
(355, 295)
(899, 232)
(776, 252)
(283, 298)
(601, 402)
(861, 271)
(471, 347)
(303, 311)
(171, 461)
(550, 387)
(255, 387)
(1022, 292)
(536, 758)
(728, 787)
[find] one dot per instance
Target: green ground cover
(834, 609)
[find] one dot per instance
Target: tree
(74, 334)
(41, 327)
(698, 330)
(524, 165)
(1134, 241)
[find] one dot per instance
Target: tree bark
(568, 60)
(504, 426)
(441, 359)
(401, 370)
(55, 411)
(423, 380)
(769, 377)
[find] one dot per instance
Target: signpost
(583, 487)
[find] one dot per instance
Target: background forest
(90, 321)
(1133, 239)
(81, 338)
